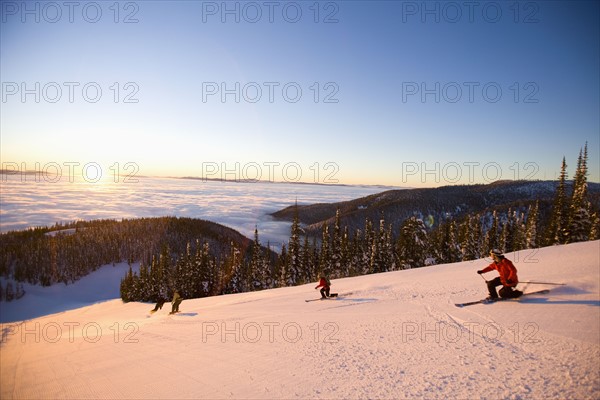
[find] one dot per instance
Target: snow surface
(398, 335)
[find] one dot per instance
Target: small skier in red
(325, 285)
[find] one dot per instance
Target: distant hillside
(432, 204)
(65, 253)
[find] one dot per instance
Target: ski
(322, 298)
(331, 296)
(486, 301)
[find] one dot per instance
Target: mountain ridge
(437, 204)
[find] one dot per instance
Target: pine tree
(144, 286)
(308, 272)
(160, 276)
(513, 232)
(325, 255)
(358, 262)
(447, 246)
(203, 278)
(470, 238)
(294, 267)
(316, 253)
(336, 248)
(346, 253)
(281, 266)
(257, 271)
(412, 243)
(367, 247)
(492, 237)
(269, 269)
(580, 219)
(389, 250)
(180, 279)
(234, 277)
(378, 263)
(126, 289)
(595, 228)
(557, 230)
(531, 240)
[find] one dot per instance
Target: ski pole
(544, 283)
(481, 275)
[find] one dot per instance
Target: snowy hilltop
(390, 335)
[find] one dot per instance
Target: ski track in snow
(400, 339)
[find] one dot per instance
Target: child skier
(159, 305)
(325, 285)
(508, 277)
(177, 299)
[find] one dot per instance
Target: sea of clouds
(27, 202)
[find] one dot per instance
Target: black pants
(506, 292)
(325, 291)
(159, 305)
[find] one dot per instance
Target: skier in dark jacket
(508, 277)
(177, 299)
(325, 285)
(159, 304)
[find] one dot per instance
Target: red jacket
(507, 271)
(323, 282)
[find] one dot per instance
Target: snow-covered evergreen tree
(531, 239)
(595, 228)
(412, 243)
(580, 213)
(336, 248)
(447, 244)
(492, 237)
(378, 262)
(234, 275)
(308, 263)
(257, 271)
(346, 253)
(557, 230)
(281, 267)
(367, 245)
(294, 267)
(470, 238)
(325, 255)
(513, 232)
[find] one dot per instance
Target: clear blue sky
(397, 93)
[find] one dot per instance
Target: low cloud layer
(241, 206)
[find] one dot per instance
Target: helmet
(495, 253)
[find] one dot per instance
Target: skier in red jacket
(508, 277)
(325, 285)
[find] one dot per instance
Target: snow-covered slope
(397, 335)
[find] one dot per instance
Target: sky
(399, 93)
